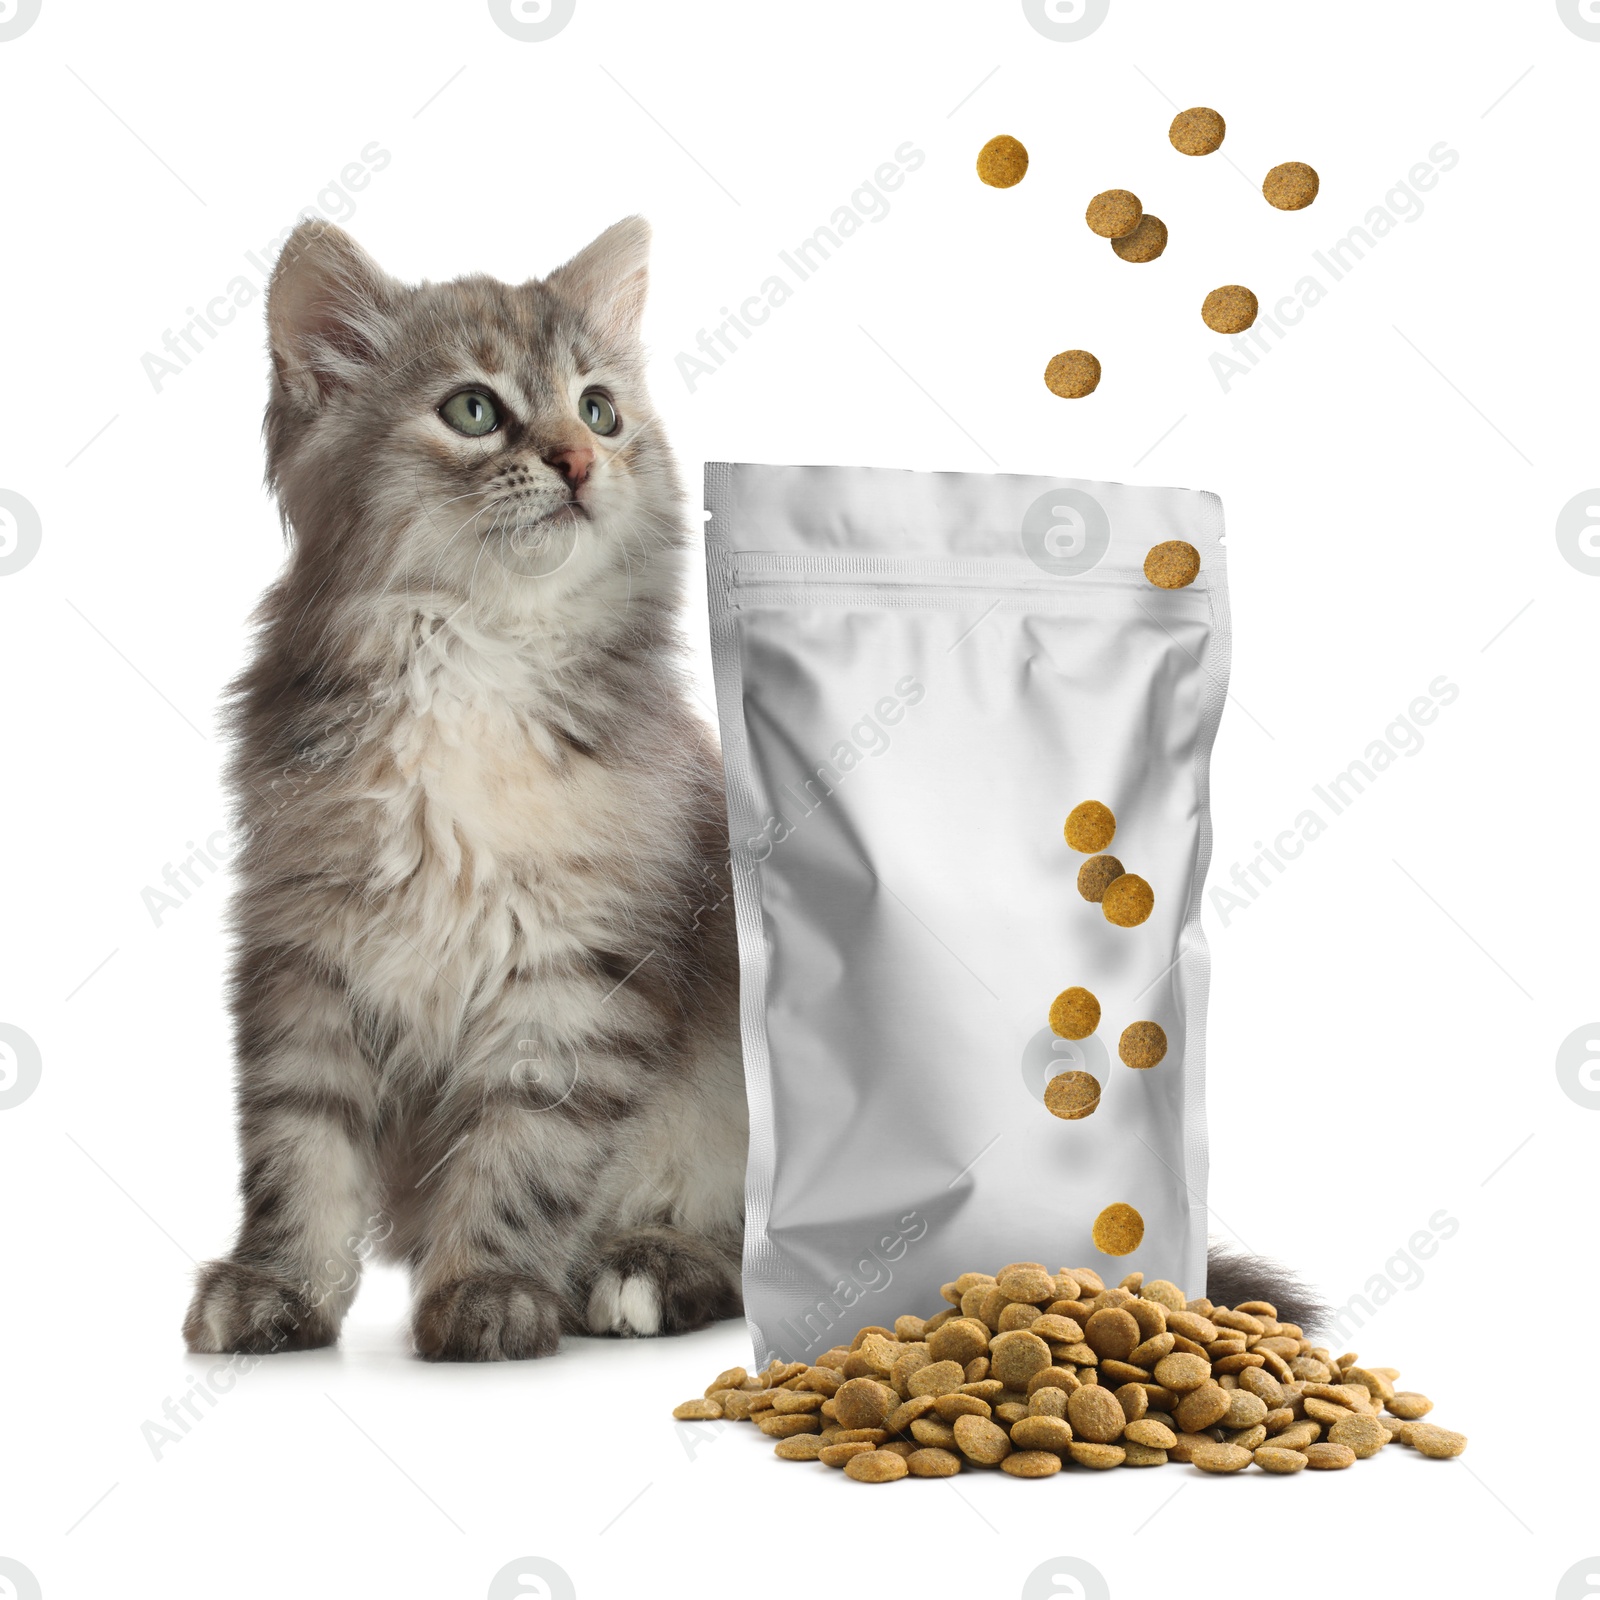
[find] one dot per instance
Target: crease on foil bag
(918, 676)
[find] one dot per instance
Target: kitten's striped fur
(485, 983)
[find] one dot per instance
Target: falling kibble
(1095, 874)
(1230, 309)
(1145, 243)
(1173, 565)
(1128, 900)
(1072, 374)
(1197, 131)
(1090, 827)
(1003, 162)
(1143, 1044)
(1072, 1095)
(1114, 214)
(1292, 186)
(1074, 1014)
(1118, 1230)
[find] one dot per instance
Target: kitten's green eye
(598, 413)
(471, 412)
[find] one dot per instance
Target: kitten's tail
(1234, 1276)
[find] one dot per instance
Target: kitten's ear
(327, 308)
(606, 280)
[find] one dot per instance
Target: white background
(1386, 1015)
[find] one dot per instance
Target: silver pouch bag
(919, 676)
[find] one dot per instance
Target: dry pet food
(1230, 309)
(1145, 243)
(1095, 874)
(1074, 1014)
(1071, 1095)
(1292, 186)
(1143, 1044)
(1128, 900)
(1172, 565)
(1114, 214)
(1094, 1377)
(1090, 826)
(1197, 131)
(1072, 374)
(1118, 1230)
(1003, 161)
(919, 676)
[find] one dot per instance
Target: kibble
(1003, 162)
(1197, 131)
(1291, 186)
(1142, 1045)
(1059, 1368)
(1118, 1229)
(1230, 309)
(1072, 374)
(1128, 900)
(1172, 565)
(1072, 1095)
(1095, 874)
(1145, 243)
(1114, 214)
(1090, 827)
(1074, 1013)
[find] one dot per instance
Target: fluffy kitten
(485, 986)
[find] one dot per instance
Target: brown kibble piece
(1364, 1434)
(1090, 827)
(1003, 162)
(950, 1406)
(1074, 1014)
(1145, 243)
(776, 1426)
(939, 1377)
(1095, 1415)
(1329, 1457)
(1147, 1431)
(1095, 874)
(1111, 1333)
(1015, 1357)
(1172, 565)
(1041, 1433)
(962, 1340)
(1438, 1443)
(1031, 1464)
(981, 1440)
(876, 1466)
(1408, 1406)
(1220, 1457)
(698, 1410)
(1025, 1281)
(1230, 309)
(1143, 1045)
(1072, 374)
(1119, 1228)
(932, 1462)
(802, 1447)
(1100, 1456)
(1245, 1410)
(1291, 186)
(841, 1452)
(1273, 1458)
(865, 1403)
(1114, 213)
(1203, 1407)
(1128, 900)
(931, 1431)
(1197, 131)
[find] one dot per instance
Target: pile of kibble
(1028, 1369)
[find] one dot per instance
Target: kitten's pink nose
(572, 463)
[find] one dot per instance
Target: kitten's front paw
(239, 1306)
(497, 1317)
(658, 1280)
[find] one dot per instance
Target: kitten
(485, 984)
